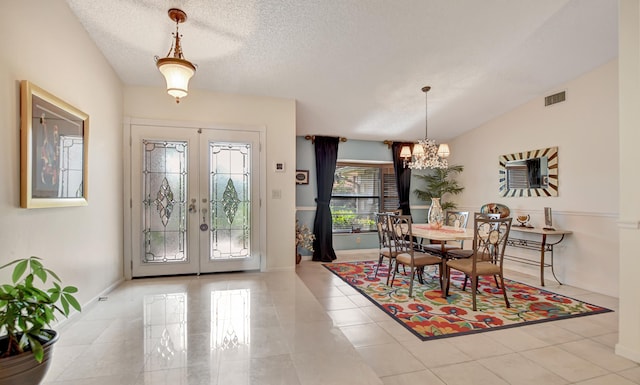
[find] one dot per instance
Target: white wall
(43, 42)
(277, 115)
(48, 46)
(584, 128)
(629, 48)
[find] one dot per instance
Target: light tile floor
(309, 327)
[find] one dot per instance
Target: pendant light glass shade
(177, 73)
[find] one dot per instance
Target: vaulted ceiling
(356, 67)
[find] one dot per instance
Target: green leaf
(20, 268)
(54, 295)
(7, 288)
(29, 280)
(54, 275)
(49, 316)
(11, 263)
(36, 348)
(65, 305)
(70, 289)
(73, 302)
(40, 273)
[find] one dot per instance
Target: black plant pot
(23, 369)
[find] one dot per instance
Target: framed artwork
(54, 143)
(302, 176)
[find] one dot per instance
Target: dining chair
(385, 242)
(457, 219)
(466, 253)
(407, 255)
(489, 242)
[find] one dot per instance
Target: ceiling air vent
(555, 98)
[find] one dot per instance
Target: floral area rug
(429, 316)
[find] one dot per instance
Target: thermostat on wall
(279, 167)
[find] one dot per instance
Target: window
(359, 191)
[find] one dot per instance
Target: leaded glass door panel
(230, 182)
(194, 197)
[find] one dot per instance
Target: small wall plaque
(302, 176)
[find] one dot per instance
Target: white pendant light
(176, 70)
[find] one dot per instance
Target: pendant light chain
(426, 89)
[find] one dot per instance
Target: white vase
(436, 215)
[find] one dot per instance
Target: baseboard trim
(61, 322)
(625, 352)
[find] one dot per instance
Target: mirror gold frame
(551, 189)
(54, 143)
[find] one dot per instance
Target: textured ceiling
(356, 67)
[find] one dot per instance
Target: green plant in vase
(26, 314)
(440, 182)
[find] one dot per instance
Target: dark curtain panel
(326, 158)
(403, 177)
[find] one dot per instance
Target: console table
(542, 245)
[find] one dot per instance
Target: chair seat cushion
(438, 248)
(388, 253)
(466, 265)
(419, 259)
(459, 253)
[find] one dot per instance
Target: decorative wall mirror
(529, 173)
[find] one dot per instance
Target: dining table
(443, 234)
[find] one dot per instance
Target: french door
(194, 200)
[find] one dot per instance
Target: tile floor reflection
(309, 327)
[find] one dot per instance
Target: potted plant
(26, 312)
(304, 239)
(439, 183)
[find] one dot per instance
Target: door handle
(204, 226)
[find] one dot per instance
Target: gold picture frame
(54, 143)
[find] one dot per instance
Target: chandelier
(426, 153)
(176, 70)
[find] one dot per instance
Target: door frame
(127, 182)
